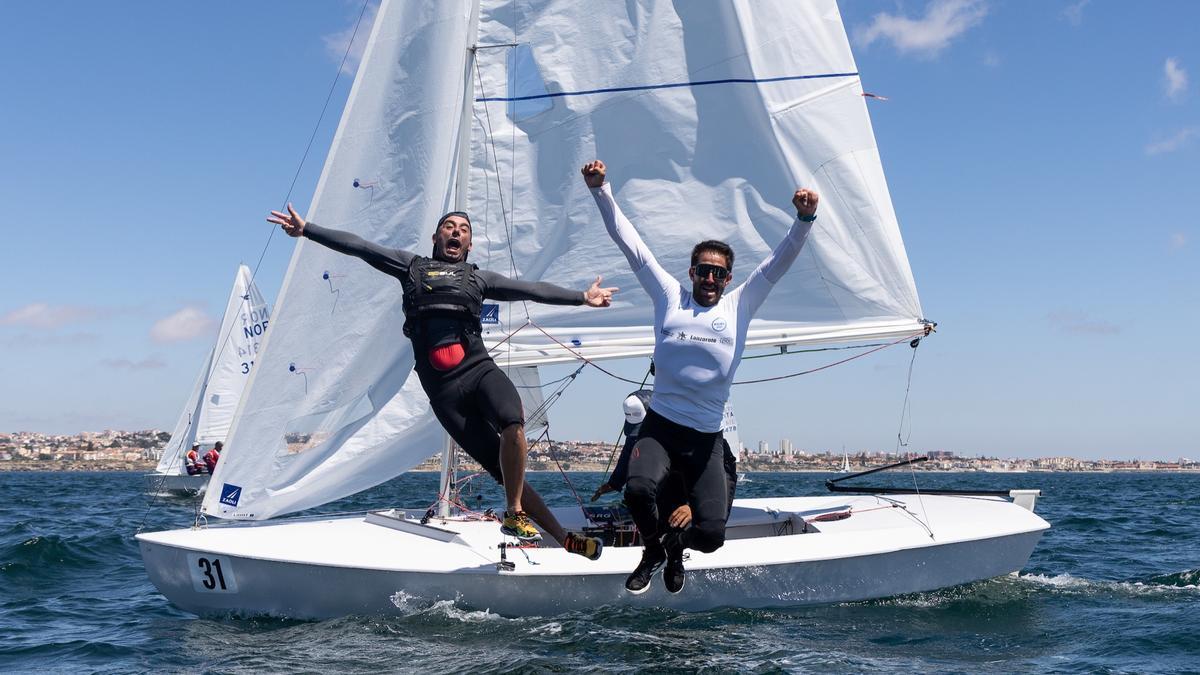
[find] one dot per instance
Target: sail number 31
(211, 574)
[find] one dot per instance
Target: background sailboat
(708, 117)
(208, 413)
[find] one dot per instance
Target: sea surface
(1112, 587)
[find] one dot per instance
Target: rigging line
(789, 352)
(581, 357)
(489, 133)
(900, 442)
(835, 363)
(669, 85)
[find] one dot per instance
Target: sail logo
(230, 494)
(490, 314)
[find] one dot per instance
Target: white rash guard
(696, 349)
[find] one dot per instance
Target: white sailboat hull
(177, 484)
(382, 563)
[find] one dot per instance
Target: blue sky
(1043, 159)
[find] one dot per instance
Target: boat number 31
(211, 574)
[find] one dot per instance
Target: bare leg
(540, 513)
(513, 449)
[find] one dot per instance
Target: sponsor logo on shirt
(719, 324)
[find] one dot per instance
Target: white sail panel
(708, 116)
(238, 341)
(171, 461)
(322, 418)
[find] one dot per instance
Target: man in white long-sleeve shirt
(700, 334)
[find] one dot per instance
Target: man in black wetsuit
(472, 398)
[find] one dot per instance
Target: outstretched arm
(387, 260)
(771, 270)
(641, 260)
(500, 287)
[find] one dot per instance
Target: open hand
(593, 173)
(595, 296)
(291, 222)
(805, 201)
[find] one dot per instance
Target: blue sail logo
(230, 494)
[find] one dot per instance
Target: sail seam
(668, 85)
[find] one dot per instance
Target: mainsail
(218, 387)
(708, 116)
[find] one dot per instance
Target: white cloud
(41, 315)
(1180, 139)
(1176, 78)
(1178, 240)
(187, 323)
(944, 20)
(1079, 322)
(151, 363)
(1074, 12)
(991, 59)
(336, 43)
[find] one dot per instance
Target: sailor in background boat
(700, 334)
(472, 398)
(192, 462)
(672, 496)
(211, 457)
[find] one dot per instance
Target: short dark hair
(714, 246)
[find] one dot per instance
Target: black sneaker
(673, 574)
(652, 559)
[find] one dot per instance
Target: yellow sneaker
(588, 547)
(518, 525)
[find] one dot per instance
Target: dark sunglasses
(704, 269)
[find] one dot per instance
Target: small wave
(1155, 585)
(1185, 579)
(411, 605)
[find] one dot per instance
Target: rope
(835, 363)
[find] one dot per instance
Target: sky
(1042, 157)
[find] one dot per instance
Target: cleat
(588, 547)
(652, 559)
(518, 525)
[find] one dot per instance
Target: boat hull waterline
(385, 563)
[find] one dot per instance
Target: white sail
(708, 115)
(218, 387)
(333, 406)
(243, 329)
(172, 460)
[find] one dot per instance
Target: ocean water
(1113, 587)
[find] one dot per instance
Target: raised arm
(651, 275)
(387, 260)
(500, 287)
(770, 271)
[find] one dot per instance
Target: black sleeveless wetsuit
(474, 400)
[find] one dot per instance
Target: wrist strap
(806, 219)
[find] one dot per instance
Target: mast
(459, 203)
